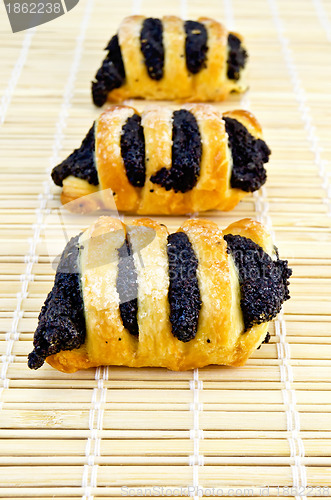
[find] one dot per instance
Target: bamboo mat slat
(260, 430)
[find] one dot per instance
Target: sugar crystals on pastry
(136, 295)
(171, 59)
(167, 162)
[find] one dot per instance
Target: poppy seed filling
(248, 154)
(151, 44)
(263, 281)
(133, 150)
(61, 324)
(127, 288)
(81, 163)
(186, 155)
(110, 75)
(184, 294)
(237, 57)
(195, 46)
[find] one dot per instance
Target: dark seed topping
(184, 295)
(248, 154)
(263, 281)
(133, 150)
(127, 288)
(186, 155)
(81, 163)
(265, 341)
(195, 46)
(267, 338)
(111, 75)
(237, 57)
(151, 43)
(61, 324)
(115, 54)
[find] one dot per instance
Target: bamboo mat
(257, 430)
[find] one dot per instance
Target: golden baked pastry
(165, 161)
(171, 59)
(134, 295)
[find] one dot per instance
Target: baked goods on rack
(171, 59)
(136, 295)
(165, 162)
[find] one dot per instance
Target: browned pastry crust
(211, 83)
(212, 191)
(220, 337)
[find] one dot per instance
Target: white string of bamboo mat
(32, 257)
(136, 7)
(97, 403)
(300, 96)
(299, 92)
(15, 75)
(93, 444)
(229, 16)
(196, 434)
(197, 459)
(304, 110)
(12, 335)
(323, 17)
(297, 451)
(183, 9)
(326, 25)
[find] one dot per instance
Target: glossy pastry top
(170, 58)
(141, 297)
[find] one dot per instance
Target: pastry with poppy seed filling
(171, 59)
(165, 162)
(139, 296)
